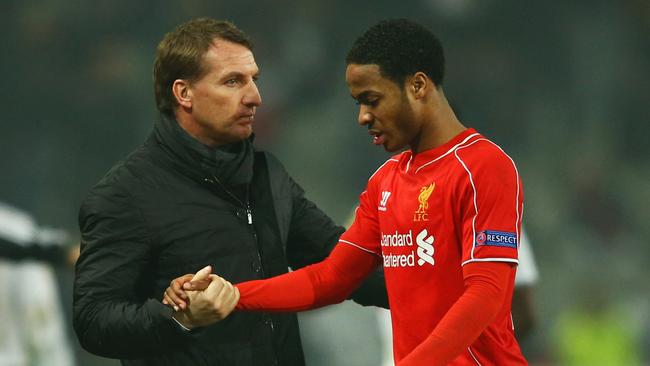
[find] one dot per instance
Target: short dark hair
(180, 55)
(400, 48)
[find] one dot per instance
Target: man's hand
(176, 297)
(211, 305)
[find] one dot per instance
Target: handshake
(200, 299)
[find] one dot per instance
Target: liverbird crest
(425, 193)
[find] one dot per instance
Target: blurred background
(563, 87)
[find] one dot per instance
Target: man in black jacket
(195, 193)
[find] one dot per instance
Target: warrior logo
(384, 200)
(421, 213)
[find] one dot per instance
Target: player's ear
(418, 85)
(182, 93)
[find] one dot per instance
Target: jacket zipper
(249, 215)
(249, 220)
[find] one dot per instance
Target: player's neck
(440, 126)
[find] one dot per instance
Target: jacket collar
(232, 164)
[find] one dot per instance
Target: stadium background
(562, 86)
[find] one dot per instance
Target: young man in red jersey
(443, 217)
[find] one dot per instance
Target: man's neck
(441, 126)
(190, 126)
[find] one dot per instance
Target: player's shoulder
(388, 166)
(481, 152)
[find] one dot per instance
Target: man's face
(383, 107)
(224, 100)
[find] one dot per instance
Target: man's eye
(231, 82)
(370, 103)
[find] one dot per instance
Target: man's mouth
(377, 137)
(247, 118)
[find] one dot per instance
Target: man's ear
(418, 84)
(182, 92)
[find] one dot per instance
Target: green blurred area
(563, 87)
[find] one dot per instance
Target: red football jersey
(428, 216)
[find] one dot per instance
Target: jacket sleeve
(111, 317)
(313, 235)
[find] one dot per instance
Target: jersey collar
(411, 165)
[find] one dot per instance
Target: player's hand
(213, 304)
(176, 297)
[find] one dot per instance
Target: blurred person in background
(596, 331)
(523, 309)
(195, 193)
(33, 330)
(445, 216)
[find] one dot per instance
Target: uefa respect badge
(496, 239)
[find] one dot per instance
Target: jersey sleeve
(486, 288)
(328, 282)
(364, 232)
(491, 204)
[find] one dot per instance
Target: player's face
(224, 100)
(383, 107)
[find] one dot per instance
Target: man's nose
(365, 117)
(252, 97)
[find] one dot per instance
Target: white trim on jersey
(509, 260)
(517, 215)
(408, 163)
(447, 153)
(474, 357)
(381, 166)
(359, 247)
(373, 174)
(471, 180)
